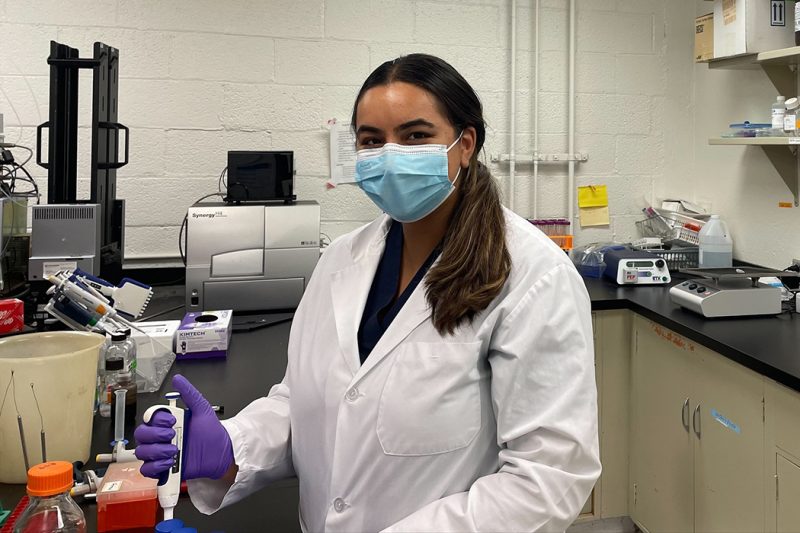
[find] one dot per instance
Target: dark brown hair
(475, 262)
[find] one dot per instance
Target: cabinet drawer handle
(685, 414)
(696, 421)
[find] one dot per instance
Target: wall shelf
(782, 153)
(781, 67)
(755, 141)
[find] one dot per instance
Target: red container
(127, 501)
(12, 316)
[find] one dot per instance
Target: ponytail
(475, 262)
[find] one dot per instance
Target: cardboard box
(704, 38)
(752, 26)
(204, 335)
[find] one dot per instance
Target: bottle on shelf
(51, 509)
(716, 244)
(778, 112)
(790, 118)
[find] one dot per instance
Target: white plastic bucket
(62, 366)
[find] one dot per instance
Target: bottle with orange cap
(51, 509)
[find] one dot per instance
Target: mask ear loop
(457, 139)
(458, 173)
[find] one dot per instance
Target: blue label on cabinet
(725, 421)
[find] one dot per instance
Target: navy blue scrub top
(381, 307)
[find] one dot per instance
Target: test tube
(119, 415)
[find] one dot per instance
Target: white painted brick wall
(201, 77)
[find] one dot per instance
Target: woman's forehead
(397, 103)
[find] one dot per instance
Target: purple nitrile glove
(207, 448)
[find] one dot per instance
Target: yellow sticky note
(593, 196)
(594, 216)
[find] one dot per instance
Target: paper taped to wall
(343, 153)
(593, 204)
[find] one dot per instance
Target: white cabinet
(697, 437)
(787, 495)
(612, 341)
(782, 458)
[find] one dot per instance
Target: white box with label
(752, 26)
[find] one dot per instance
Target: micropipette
(169, 488)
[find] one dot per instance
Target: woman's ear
(468, 139)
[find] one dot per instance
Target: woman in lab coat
(440, 371)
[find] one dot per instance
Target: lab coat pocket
(431, 401)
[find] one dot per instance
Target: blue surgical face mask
(406, 182)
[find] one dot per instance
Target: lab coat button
(352, 394)
(339, 505)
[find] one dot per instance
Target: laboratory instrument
(635, 267)
(716, 244)
(260, 176)
(50, 508)
(169, 487)
(250, 257)
(14, 242)
(64, 237)
(107, 220)
(59, 403)
(726, 292)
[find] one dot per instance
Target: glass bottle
(125, 380)
(50, 509)
(113, 365)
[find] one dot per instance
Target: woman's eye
(417, 136)
(371, 142)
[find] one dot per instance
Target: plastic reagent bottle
(778, 112)
(790, 119)
(51, 509)
(716, 244)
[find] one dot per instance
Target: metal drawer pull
(696, 421)
(685, 414)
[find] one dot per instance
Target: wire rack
(678, 258)
(672, 228)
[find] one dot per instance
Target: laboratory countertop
(769, 345)
(257, 359)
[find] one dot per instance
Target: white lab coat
(491, 429)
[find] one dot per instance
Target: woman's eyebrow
(414, 123)
(364, 128)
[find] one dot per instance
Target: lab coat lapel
(349, 291)
(414, 312)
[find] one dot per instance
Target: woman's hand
(207, 448)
